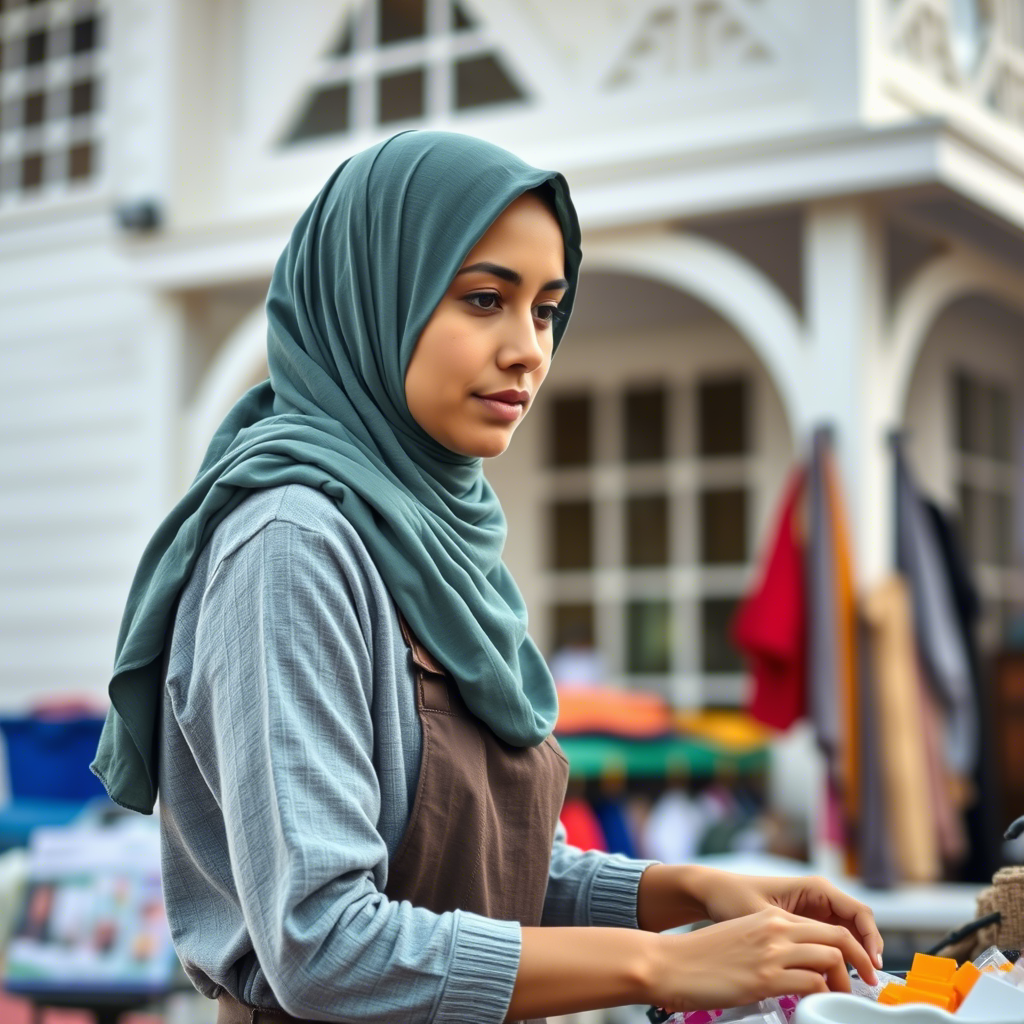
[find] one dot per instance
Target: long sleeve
(278, 713)
(591, 888)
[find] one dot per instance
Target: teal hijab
(366, 265)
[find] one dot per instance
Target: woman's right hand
(770, 953)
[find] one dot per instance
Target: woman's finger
(804, 929)
(826, 960)
(858, 917)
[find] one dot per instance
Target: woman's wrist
(670, 895)
(570, 970)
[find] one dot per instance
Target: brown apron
(482, 822)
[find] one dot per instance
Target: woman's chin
(485, 444)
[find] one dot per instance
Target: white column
(845, 299)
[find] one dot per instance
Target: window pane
(647, 636)
(970, 522)
(645, 423)
(719, 654)
(723, 525)
(571, 535)
(35, 48)
(460, 20)
(647, 530)
(572, 626)
(722, 417)
(570, 437)
(970, 415)
(1002, 534)
(344, 43)
(32, 171)
(480, 81)
(84, 35)
(402, 19)
(34, 108)
(81, 98)
(401, 96)
(325, 114)
(1002, 425)
(80, 160)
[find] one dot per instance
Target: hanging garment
(770, 625)
(582, 826)
(875, 857)
(618, 832)
(949, 826)
(823, 658)
(919, 558)
(482, 823)
(908, 807)
(983, 812)
(846, 656)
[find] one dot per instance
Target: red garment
(770, 625)
(582, 827)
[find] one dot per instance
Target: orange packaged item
(944, 1000)
(891, 995)
(964, 979)
(936, 968)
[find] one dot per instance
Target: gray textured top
(290, 752)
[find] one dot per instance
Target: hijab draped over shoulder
(366, 265)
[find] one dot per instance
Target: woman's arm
(770, 953)
(591, 887)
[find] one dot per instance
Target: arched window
(404, 60)
(51, 96)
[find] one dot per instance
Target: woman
(348, 723)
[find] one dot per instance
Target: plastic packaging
(767, 1011)
(859, 987)
(991, 957)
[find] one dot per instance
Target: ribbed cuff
(614, 890)
(483, 971)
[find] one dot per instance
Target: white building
(793, 211)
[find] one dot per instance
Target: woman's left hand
(725, 896)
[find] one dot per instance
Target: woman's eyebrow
(507, 274)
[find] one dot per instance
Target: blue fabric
(366, 265)
(614, 824)
(290, 755)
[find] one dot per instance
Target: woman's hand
(770, 952)
(726, 896)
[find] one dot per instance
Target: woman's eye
(483, 295)
(554, 314)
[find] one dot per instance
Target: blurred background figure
(771, 493)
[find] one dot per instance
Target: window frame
(609, 481)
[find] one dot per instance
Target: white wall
(88, 389)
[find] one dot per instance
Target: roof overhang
(924, 167)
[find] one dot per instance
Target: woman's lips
(506, 411)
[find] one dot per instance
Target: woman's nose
(523, 346)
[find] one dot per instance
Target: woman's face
(486, 349)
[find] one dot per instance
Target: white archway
(236, 367)
(730, 285)
(935, 287)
